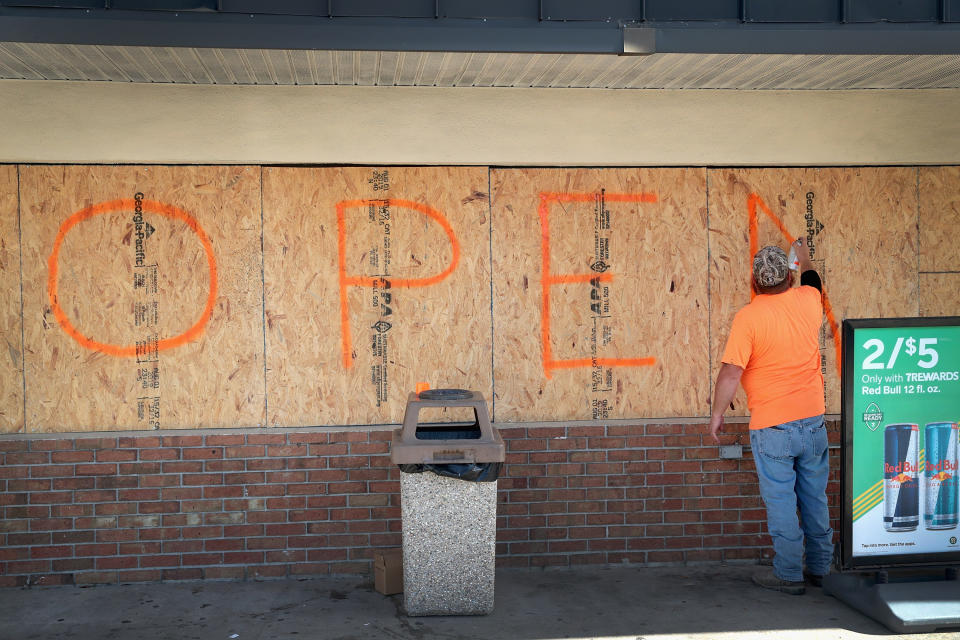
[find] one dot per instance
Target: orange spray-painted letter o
(129, 204)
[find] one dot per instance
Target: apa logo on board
(599, 266)
(382, 326)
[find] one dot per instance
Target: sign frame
(849, 562)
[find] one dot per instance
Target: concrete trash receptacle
(449, 524)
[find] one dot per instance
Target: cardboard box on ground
(388, 571)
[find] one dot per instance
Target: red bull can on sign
(940, 476)
(901, 486)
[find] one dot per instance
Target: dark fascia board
(802, 39)
(259, 31)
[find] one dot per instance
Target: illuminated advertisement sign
(901, 405)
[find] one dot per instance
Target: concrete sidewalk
(613, 602)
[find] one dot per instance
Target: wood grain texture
(361, 309)
(939, 192)
(114, 298)
(617, 328)
(939, 294)
(859, 223)
(11, 322)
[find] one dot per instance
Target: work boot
(769, 580)
(813, 579)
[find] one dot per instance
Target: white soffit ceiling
(381, 68)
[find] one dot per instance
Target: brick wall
(252, 505)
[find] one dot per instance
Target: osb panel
(600, 293)
(11, 348)
(939, 218)
(142, 297)
(859, 223)
(939, 294)
(375, 279)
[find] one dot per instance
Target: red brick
(159, 534)
(140, 575)
(205, 453)
(228, 440)
(159, 507)
(309, 569)
(117, 482)
(50, 471)
(116, 455)
(349, 436)
(138, 548)
(17, 445)
(95, 469)
(63, 551)
(183, 441)
(139, 442)
(160, 561)
(116, 535)
(96, 577)
(51, 497)
(236, 517)
(243, 478)
(33, 457)
(96, 443)
(312, 437)
(343, 462)
(202, 479)
(261, 438)
(201, 558)
(171, 575)
(193, 466)
(138, 494)
(250, 451)
(19, 472)
(72, 484)
(73, 564)
(361, 448)
(224, 465)
(72, 456)
(159, 454)
(287, 451)
(663, 429)
(29, 566)
(72, 537)
(25, 539)
(265, 464)
(223, 573)
(181, 493)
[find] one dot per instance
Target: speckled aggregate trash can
(449, 524)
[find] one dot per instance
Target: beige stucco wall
(109, 122)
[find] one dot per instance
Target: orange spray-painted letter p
(347, 281)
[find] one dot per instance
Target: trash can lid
(445, 394)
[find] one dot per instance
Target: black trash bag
(470, 471)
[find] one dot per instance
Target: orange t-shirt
(775, 340)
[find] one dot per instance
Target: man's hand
(723, 391)
(716, 425)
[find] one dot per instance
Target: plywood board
(939, 190)
(11, 347)
(142, 290)
(859, 223)
(939, 294)
(600, 300)
(375, 279)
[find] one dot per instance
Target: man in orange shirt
(773, 351)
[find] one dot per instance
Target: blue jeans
(793, 467)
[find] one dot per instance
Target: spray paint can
(792, 261)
